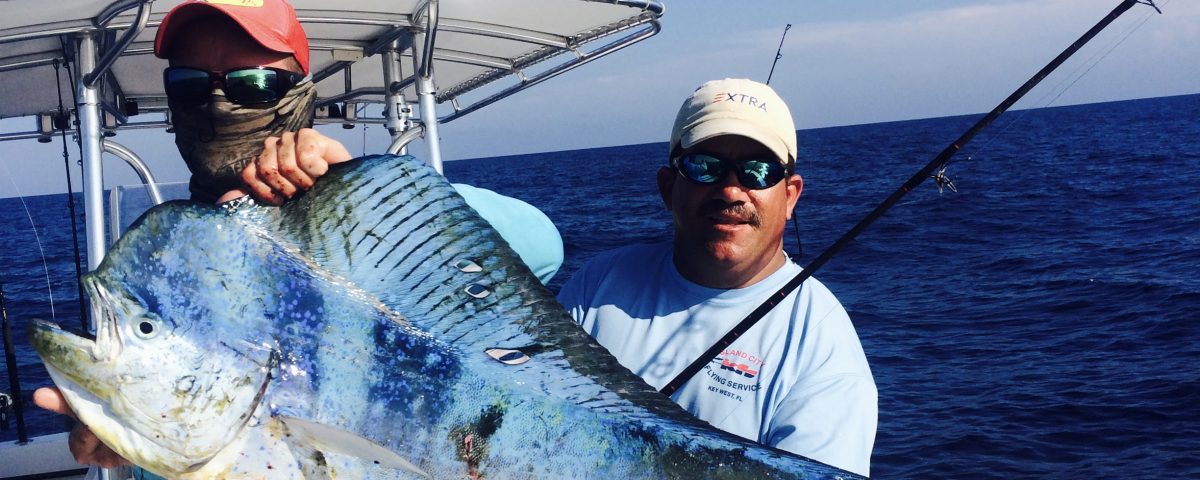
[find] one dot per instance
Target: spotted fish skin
(358, 332)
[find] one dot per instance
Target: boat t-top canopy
(447, 57)
(507, 45)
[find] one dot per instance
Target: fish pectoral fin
(334, 440)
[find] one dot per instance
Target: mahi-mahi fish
(375, 327)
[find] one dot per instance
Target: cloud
(843, 63)
(854, 68)
(965, 59)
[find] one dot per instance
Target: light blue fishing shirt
(526, 229)
(798, 380)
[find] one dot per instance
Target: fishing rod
(741, 328)
(778, 53)
(65, 116)
(13, 402)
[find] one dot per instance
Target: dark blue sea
(1042, 322)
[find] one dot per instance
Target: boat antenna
(908, 186)
(778, 53)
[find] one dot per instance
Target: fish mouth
(75, 358)
(70, 335)
(92, 375)
(62, 347)
(81, 364)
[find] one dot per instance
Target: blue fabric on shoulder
(526, 229)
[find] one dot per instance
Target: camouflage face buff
(218, 139)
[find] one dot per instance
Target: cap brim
(734, 126)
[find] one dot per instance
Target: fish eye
(147, 328)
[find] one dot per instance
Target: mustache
(736, 210)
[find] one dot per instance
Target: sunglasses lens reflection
(187, 85)
(752, 174)
(702, 168)
(251, 86)
(244, 86)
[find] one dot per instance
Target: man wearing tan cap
(798, 380)
(242, 107)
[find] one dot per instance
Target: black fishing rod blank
(908, 186)
(778, 53)
(13, 402)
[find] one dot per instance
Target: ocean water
(1040, 322)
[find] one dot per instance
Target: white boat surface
(420, 63)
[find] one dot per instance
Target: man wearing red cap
(262, 148)
(255, 136)
(242, 107)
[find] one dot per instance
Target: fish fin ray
(337, 441)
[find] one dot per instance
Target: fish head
(170, 378)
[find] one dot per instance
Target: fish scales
(452, 217)
(338, 338)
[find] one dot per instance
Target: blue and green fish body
(376, 327)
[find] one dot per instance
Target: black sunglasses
(755, 174)
(242, 86)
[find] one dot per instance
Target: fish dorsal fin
(397, 229)
(401, 232)
(332, 440)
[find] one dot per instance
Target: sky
(842, 63)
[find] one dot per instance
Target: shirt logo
(741, 98)
(734, 373)
(738, 368)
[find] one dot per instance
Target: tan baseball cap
(736, 106)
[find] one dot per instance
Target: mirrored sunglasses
(242, 86)
(753, 174)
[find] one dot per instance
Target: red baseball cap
(272, 23)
